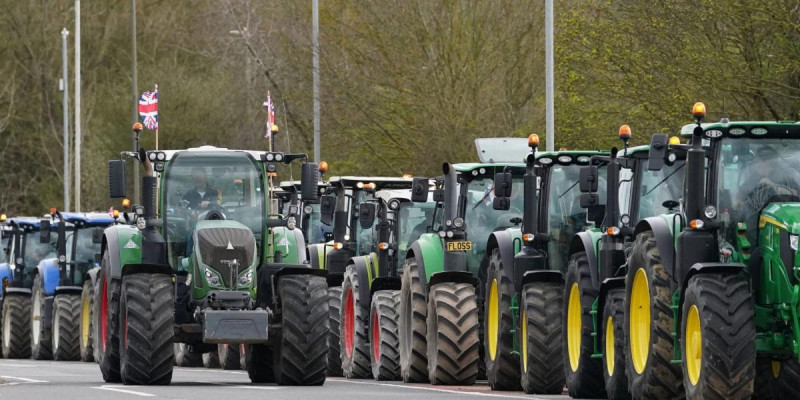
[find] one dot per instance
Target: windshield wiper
(485, 195)
(569, 188)
(665, 179)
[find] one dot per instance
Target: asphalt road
(41, 380)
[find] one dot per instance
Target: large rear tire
(66, 327)
(41, 336)
(413, 325)
(718, 338)
(108, 326)
(229, 356)
(186, 358)
(453, 343)
(259, 363)
(787, 376)
(147, 320)
(16, 326)
(502, 363)
(384, 335)
(542, 361)
(87, 337)
(584, 373)
(334, 351)
(354, 328)
(612, 324)
(649, 323)
(303, 345)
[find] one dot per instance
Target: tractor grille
(215, 249)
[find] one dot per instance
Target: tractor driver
(202, 194)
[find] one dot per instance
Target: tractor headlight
(793, 242)
(442, 234)
(246, 279)
(141, 223)
(710, 212)
(307, 210)
(458, 223)
(291, 223)
(346, 238)
(450, 234)
(212, 278)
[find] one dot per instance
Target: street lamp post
(65, 99)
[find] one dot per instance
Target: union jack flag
(148, 109)
(271, 118)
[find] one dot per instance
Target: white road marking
(26, 380)
(238, 386)
(16, 365)
(121, 390)
(459, 392)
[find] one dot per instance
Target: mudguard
(364, 274)
(318, 253)
(279, 271)
(504, 241)
(588, 241)
(709, 268)
(543, 275)
(92, 275)
(124, 246)
(452, 276)
(385, 283)
(291, 244)
(48, 270)
(605, 286)
(429, 254)
(665, 238)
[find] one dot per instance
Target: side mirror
(308, 182)
(589, 200)
(97, 235)
(588, 179)
(438, 195)
(502, 184)
(44, 231)
(658, 150)
(327, 205)
(501, 203)
(419, 190)
(366, 215)
(116, 179)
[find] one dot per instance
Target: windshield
(753, 173)
(566, 217)
(85, 250)
(315, 230)
(481, 217)
(367, 239)
(660, 186)
(6, 244)
(413, 220)
(198, 183)
(36, 251)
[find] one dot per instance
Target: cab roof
(381, 182)
(751, 129)
(91, 218)
(469, 167)
(568, 157)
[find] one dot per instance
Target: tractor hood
(784, 215)
(227, 247)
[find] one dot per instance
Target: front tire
(186, 358)
(66, 327)
(649, 324)
(584, 373)
(453, 343)
(354, 328)
(108, 326)
(542, 364)
(147, 320)
(16, 326)
(87, 337)
(502, 363)
(303, 346)
(718, 338)
(211, 360)
(259, 363)
(334, 350)
(41, 337)
(413, 325)
(787, 375)
(613, 327)
(229, 356)
(384, 335)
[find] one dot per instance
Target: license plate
(464, 245)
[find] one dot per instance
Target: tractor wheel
(87, 322)
(211, 360)
(97, 301)
(384, 335)
(228, 356)
(502, 363)
(767, 370)
(334, 351)
(649, 325)
(66, 327)
(413, 325)
(584, 373)
(787, 376)
(453, 342)
(186, 358)
(542, 364)
(108, 325)
(354, 328)
(613, 328)
(718, 338)
(41, 336)
(259, 363)
(16, 326)
(147, 318)
(303, 345)
(243, 357)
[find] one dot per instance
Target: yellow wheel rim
(639, 337)
(776, 369)
(85, 321)
(524, 323)
(610, 346)
(694, 345)
(493, 319)
(574, 327)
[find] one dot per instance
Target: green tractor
(524, 274)
(341, 236)
(594, 293)
(388, 224)
(444, 272)
(712, 297)
(205, 268)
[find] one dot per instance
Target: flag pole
(156, 90)
(269, 127)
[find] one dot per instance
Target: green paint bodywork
(432, 253)
(126, 233)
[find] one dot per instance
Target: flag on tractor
(148, 109)
(270, 115)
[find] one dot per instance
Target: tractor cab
(23, 253)
(308, 213)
